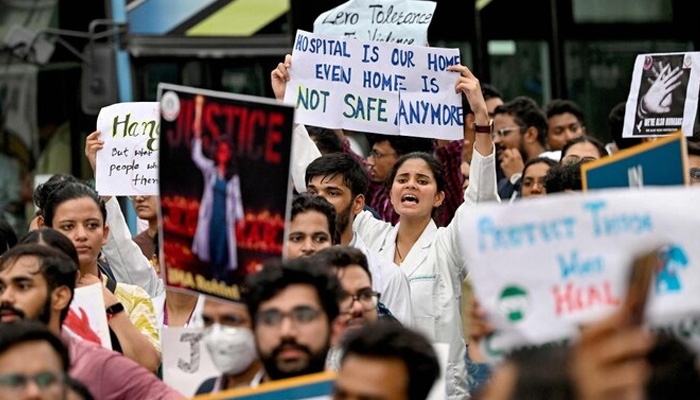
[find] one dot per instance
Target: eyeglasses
(573, 159)
(367, 298)
(695, 175)
(299, 316)
(503, 132)
(378, 156)
(16, 384)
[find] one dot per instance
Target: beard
(44, 315)
(277, 369)
(343, 219)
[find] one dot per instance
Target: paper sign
(658, 163)
(223, 193)
(86, 318)
(186, 361)
(308, 387)
(393, 21)
(543, 267)
(128, 163)
(375, 87)
(664, 95)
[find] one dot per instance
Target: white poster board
(186, 361)
(393, 21)
(128, 163)
(87, 318)
(375, 87)
(543, 267)
(663, 95)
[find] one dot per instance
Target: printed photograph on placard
(224, 183)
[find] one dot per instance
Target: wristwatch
(483, 128)
(113, 310)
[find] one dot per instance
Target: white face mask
(232, 349)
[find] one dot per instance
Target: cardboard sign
(128, 163)
(223, 195)
(393, 21)
(308, 387)
(86, 318)
(664, 95)
(186, 361)
(375, 87)
(658, 163)
(543, 267)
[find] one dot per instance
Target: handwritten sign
(393, 21)
(375, 87)
(307, 387)
(128, 163)
(658, 163)
(186, 361)
(664, 95)
(86, 318)
(541, 268)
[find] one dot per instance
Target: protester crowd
(373, 276)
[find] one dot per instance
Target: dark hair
(354, 174)
(32, 331)
(674, 372)
(616, 123)
(585, 139)
(561, 106)
(403, 144)
(385, 340)
(326, 140)
(341, 257)
(54, 239)
(231, 165)
(488, 91)
(78, 388)
(305, 202)
(693, 146)
(542, 373)
(277, 275)
(42, 192)
(71, 191)
(56, 268)
(434, 165)
(8, 238)
(526, 113)
(539, 160)
(562, 177)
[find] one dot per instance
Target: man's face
(359, 306)
(694, 169)
(309, 232)
(381, 159)
(511, 138)
(82, 222)
(146, 207)
(375, 378)
(333, 189)
(292, 333)
(533, 180)
(562, 128)
(38, 361)
(24, 293)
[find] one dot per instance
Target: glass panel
(520, 68)
(599, 74)
(634, 11)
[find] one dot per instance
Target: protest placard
(128, 163)
(375, 87)
(186, 361)
(663, 95)
(658, 163)
(543, 267)
(86, 317)
(394, 21)
(224, 185)
(308, 387)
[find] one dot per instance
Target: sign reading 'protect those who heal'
(375, 87)
(128, 163)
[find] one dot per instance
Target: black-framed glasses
(301, 315)
(378, 156)
(695, 175)
(17, 383)
(367, 298)
(503, 132)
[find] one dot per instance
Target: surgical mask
(232, 349)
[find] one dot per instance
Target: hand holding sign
(280, 77)
(93, 144)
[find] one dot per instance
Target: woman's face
(82, 222)
(414, 190)
(223, 153)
